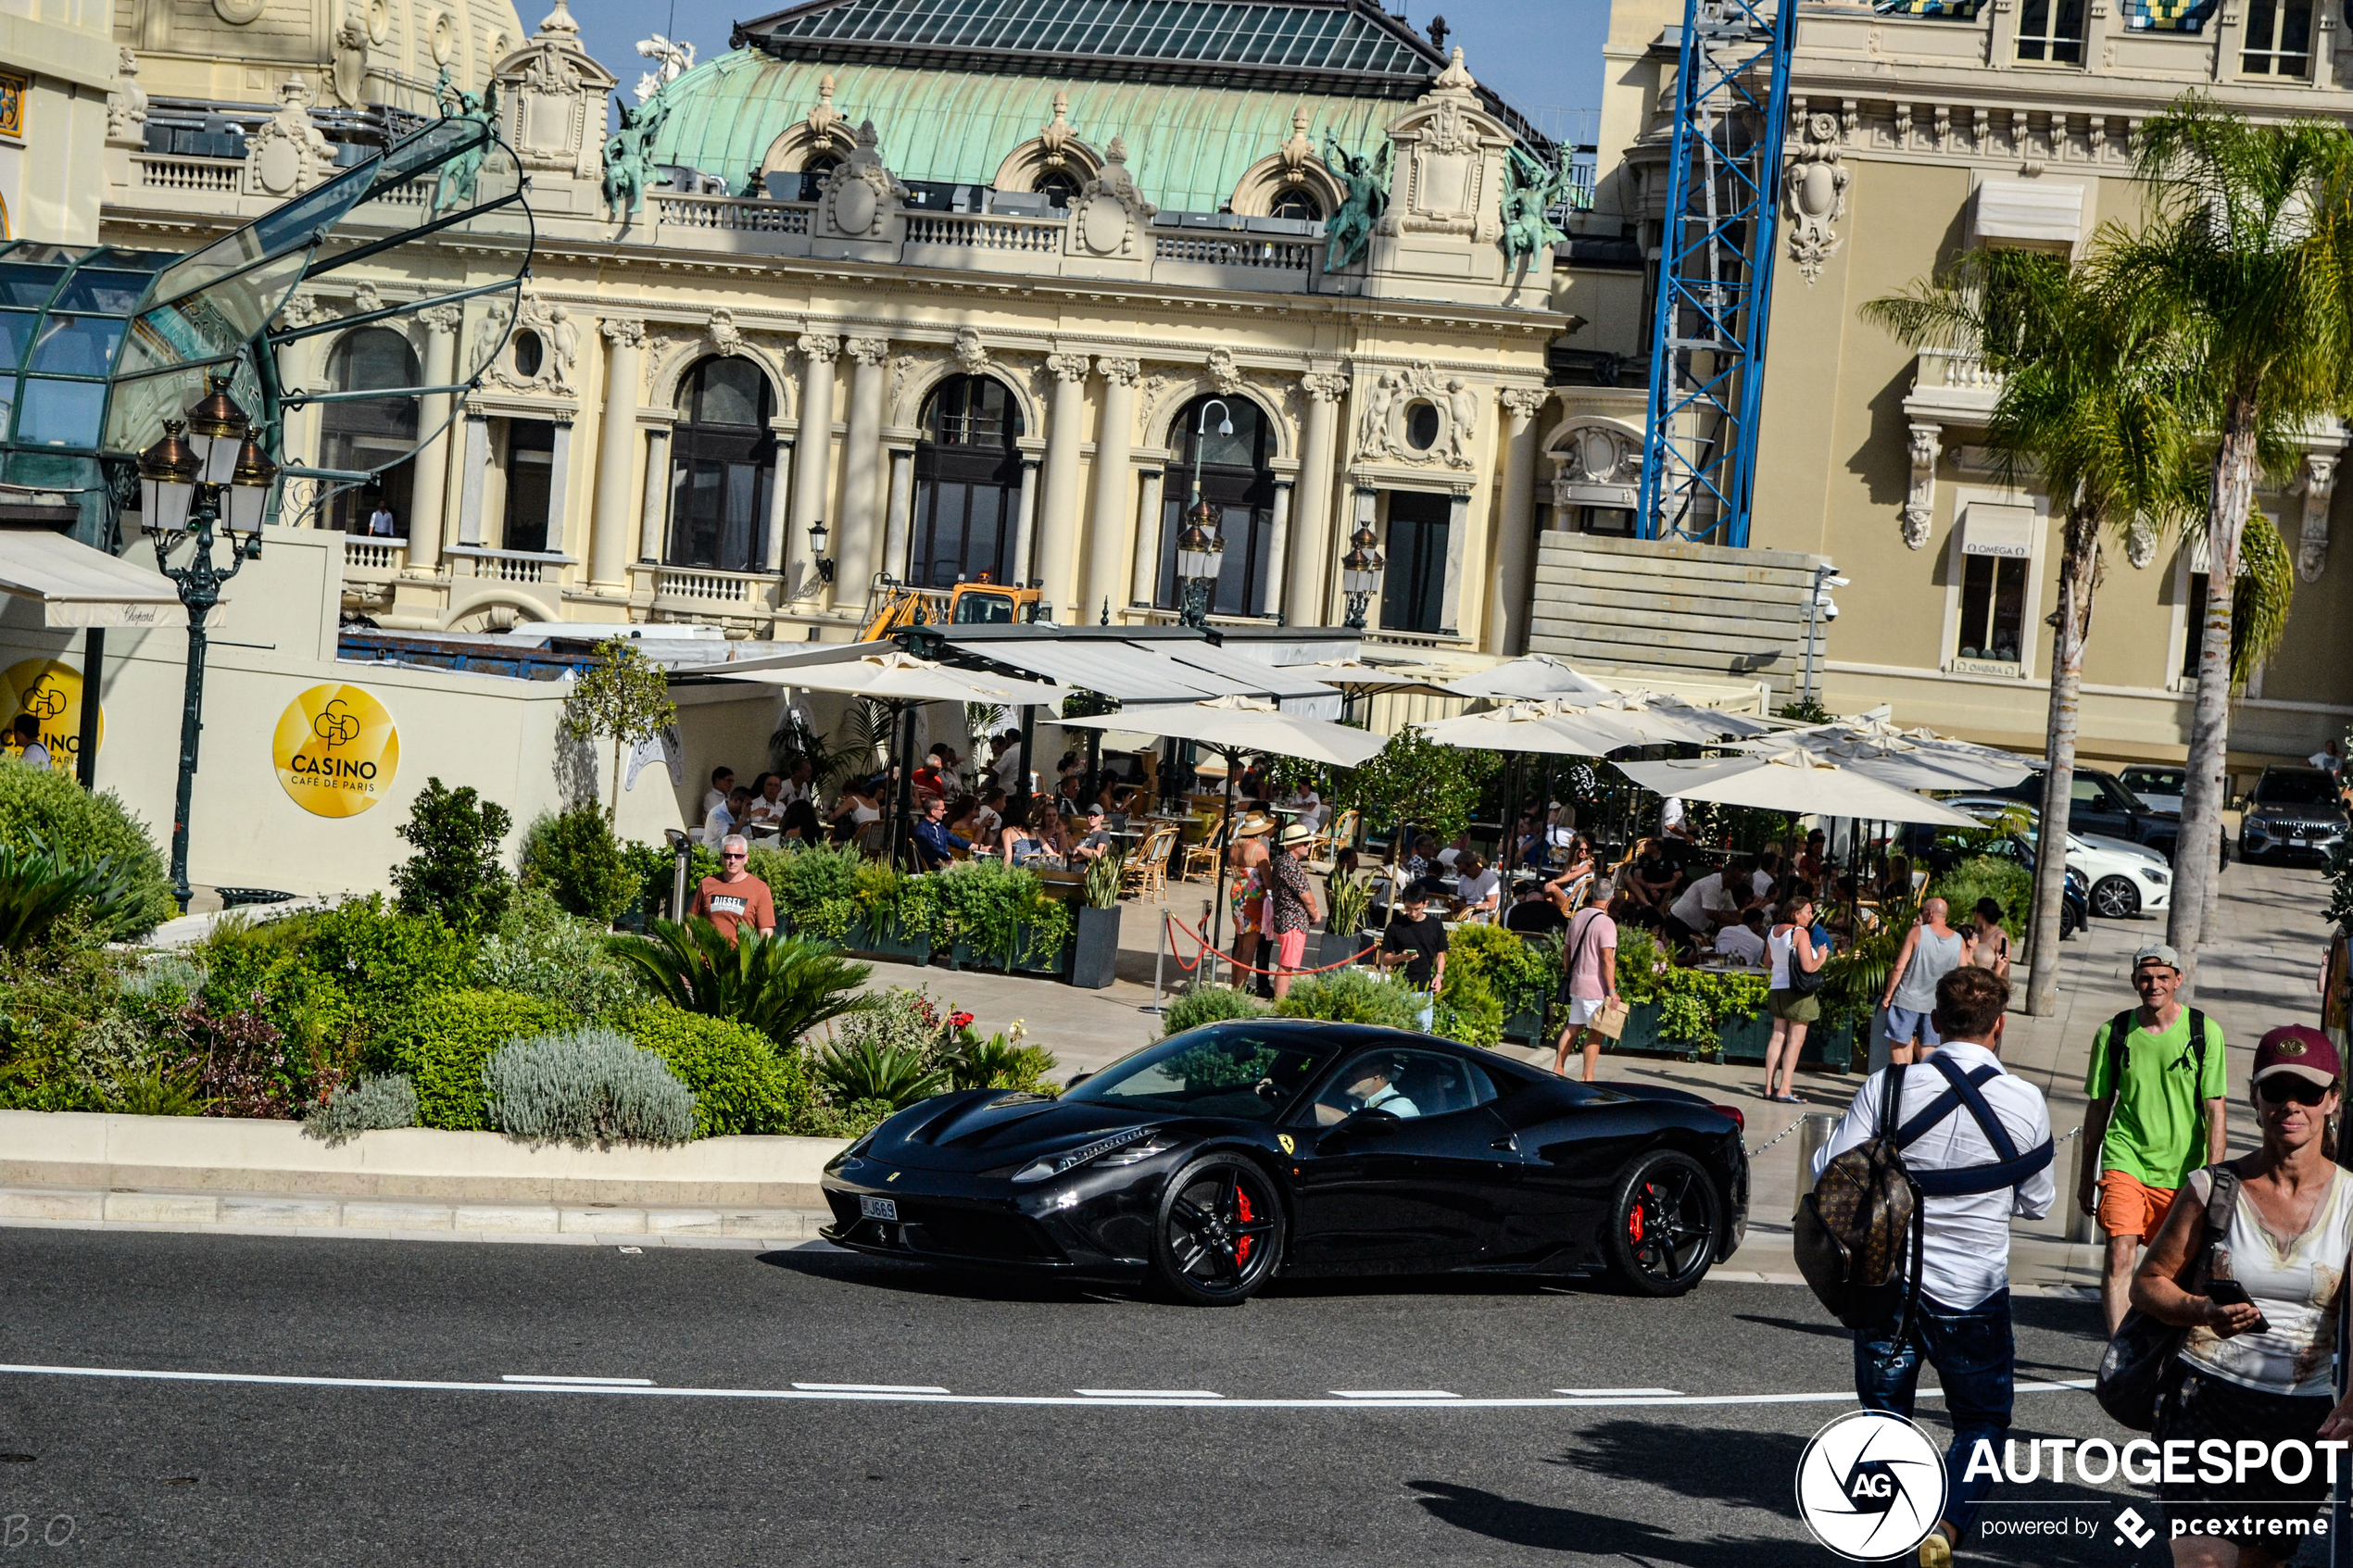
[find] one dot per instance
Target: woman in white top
(1790, 947)
(2256, 1366)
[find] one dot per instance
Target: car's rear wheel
(2066, 919)
(1220, 1233)
(1663, 1224)
(2115, 897)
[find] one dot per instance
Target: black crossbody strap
(1891, 1103)
(2010, 1169)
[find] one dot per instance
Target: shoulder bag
(2142, 1361)
(1802, 981)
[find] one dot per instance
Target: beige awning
(76, 585)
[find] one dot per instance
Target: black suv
(2102, 805)
(2292, 811)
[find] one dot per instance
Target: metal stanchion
(1160, 952)
(682, 850)
(1814, 1130)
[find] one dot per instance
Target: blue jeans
(1975, 1360)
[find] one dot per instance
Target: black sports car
(1215, 1158)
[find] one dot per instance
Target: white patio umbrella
(1528, 678)
(1907, 758)
(1796, 782)
(1237, 726)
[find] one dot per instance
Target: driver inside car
(1370, 1084)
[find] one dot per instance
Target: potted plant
(1344, 936)
(1095, 953)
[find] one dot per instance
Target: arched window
(1297, 204)
(1235, 480)
(722, 455)
(815, 170)
(368, 433)
(967, 485)
(1060, 187)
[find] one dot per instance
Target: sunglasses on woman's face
(2287, 1087)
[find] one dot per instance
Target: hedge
(50, 805)
(741, 1082)
(444, 1043)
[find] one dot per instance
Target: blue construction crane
(1715, 269)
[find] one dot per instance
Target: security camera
(1830, 610)
(1836, 581)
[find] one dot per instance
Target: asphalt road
(209, 1470)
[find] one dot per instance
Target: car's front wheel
(2115, 897)
(1220, 1233)
(1663, 1224)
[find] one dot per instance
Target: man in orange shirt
(734, 898)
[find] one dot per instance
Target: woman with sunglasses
(2262, 1312)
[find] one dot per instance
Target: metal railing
(971, 231)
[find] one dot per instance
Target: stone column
(1270, 593)
(472, 473)
(1516, 529)
(1311, 530)
(899, 524)
(813, 463)
(1147, 584)
(1058, 527)
(652, 533)
(560, 486)
(1114, 520)
(779, 490)
(616, 456)
(1025, 527)
(861, 491)
(430, 498)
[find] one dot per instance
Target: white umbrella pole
(1225, 857)
(902, 805)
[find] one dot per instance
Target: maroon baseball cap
(2297, 1048)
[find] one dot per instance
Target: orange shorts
(2130, 1207)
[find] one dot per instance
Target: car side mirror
(1075, 1079)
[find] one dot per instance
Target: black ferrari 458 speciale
(1216, 1159)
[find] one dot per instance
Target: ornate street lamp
(1200, 550)
(1360, 571)
(817, 551)
(219, 475)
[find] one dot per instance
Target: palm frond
(2259, 600)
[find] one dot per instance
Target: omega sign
(338, 750)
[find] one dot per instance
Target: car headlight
(2154, 877)
(1056, 1164)
(853, 1151)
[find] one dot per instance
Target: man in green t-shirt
(2162, 1120)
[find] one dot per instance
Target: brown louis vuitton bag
(1857, 1236)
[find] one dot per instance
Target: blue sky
(1542, 55)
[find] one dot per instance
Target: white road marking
(1622, 1393)
(585, 1382)
(1394, 1394)
(1149, 1393)
(887, 1394)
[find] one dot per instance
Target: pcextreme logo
(51, 691)
(1870, 1486)
(338, 750)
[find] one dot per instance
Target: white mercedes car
(2126, 879)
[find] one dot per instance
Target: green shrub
(444, 1041)
(40, 887)
(1521, 976)
(857, 1070)
(1001, 912)
(156, 1089)
(587, 1086)
(575, 857)
(368, 1106)
(1228, 1064)
(1984, 876)
(46, 805)
(1352, 996)
(1214, 1004)
(815, 888)
(741, 1082)
(57, 1052)
(1000, 1062)
(1640, 964)
(821, 1119)
(541, 951)
(1683, 1016)
(455, 872)
(781, 986)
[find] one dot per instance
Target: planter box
(1640, 1037)
(1337, 946)
(1743, 1039)
(1094, 960)
(1527, 1028)
(890, 942)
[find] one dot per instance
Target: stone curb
(292, 1214)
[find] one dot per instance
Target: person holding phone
(2261, 1310)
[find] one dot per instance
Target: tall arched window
(967, 485)
(1299, 205)
(367, 433)
(1235, 480)
(722, 455)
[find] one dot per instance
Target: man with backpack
(1918, 1186)
(2157, 1086)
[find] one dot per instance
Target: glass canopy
(98, 346)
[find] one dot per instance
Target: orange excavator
(893, 606)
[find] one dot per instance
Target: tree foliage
(1415, 779)
(624, 700)
(458, 872)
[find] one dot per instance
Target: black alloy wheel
(2115, 897)
(1663, 1225)
(1220, 1234)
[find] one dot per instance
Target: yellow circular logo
(338, 750)
(51, 691)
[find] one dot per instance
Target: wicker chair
(1324, 848)
(1145, 873)
(1200, 859)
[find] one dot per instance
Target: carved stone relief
(1416, 416)
(2313, 542)
(971, 356)
(126, 104)
(858, 197)
(557, 92)
(559, 337)
(286, 153)
(1111, 212)
(1815, 193)
(1919, 504)
(2140, 543)
(1223, 373)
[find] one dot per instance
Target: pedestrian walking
(1989, 944)
(1290, 904)
(1588, 983)
(1977, 1141)
(1791, 947)
(2254, 1369)
(1416, 939)
(1931, 950)
(734, 898)
(2157, 1086)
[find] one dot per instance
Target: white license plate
(878, 1208)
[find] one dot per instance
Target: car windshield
(2299, 788)
(1226, 1071)
(2154, 781)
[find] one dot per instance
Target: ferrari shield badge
(1284, 1139)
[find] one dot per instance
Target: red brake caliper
(1242, 1248)
(1634, 1220)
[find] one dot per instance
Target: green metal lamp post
(218, 475)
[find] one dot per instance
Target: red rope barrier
(1201, 938)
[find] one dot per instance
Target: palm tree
(2248, 259)
(2089, 404)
